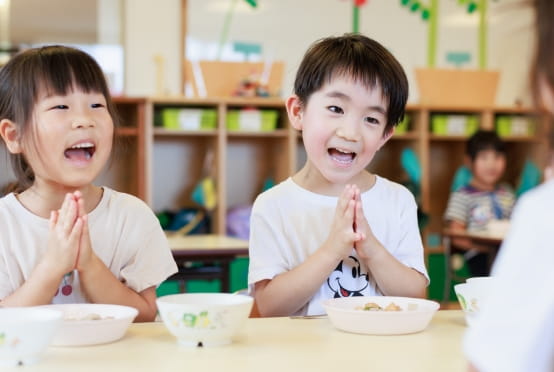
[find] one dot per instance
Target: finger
(80, 203)
(53, 220)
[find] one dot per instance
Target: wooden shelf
(162, 166)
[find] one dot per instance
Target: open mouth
(341, 156)
(80, 152)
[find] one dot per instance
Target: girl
(63, 239)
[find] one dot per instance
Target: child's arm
(392, 277)
(100, 285)
(465, 243)
(60, 257)
(287, 292)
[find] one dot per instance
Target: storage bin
(252, 120)
(507, 125)
(403, 126)
(454, 125)
(189, 119)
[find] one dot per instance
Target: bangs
(59, 73)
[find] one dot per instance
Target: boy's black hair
(361, 58)
(484, 140)
(55, 68)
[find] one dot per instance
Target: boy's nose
(348, 132)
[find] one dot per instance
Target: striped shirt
(475, 208)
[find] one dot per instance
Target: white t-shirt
(124, 233)
(515, 330)
(289, 223)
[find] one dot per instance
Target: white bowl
(472, 295)
(204, 319)
(78, 329)
(345, 314)
(25, 332)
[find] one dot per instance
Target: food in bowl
(472, 295)
(372, 306)
(414, 316)
(204, 319)
(25, 333)
(91, 324)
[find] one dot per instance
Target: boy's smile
(342, 127)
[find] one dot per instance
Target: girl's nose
(83, 122)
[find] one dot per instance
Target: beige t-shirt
(125, 234)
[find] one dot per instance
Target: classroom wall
(285, 28)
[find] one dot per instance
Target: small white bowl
(78, 329)
(204, 319)
(414, 316)
(25, 332)
(472, 295)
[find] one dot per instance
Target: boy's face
(73, 138)
(488, 167)
(342, 127)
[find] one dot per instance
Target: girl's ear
(10, 135)
(295, 111)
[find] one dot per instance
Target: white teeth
(83, 145)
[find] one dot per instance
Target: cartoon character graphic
(347, 280)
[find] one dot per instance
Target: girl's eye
(60, 107)
(335, 109)
(97, 105)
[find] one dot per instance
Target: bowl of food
(25, 333)
(472, 295)
(380, 315)
(91, 324)
(204, 319)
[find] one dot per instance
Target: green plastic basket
(514, 126)
(252, 120)
(191, 119)
(454, 124)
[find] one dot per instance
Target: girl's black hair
(56, 69)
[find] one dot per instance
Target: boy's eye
(371, 120)
(97, 105)
(59, 107)
(335, 109)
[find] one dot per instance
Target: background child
(484, 199)
(515, 331)
(63, 239)
(334, 229)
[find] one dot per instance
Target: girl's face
(71, 138)
(488, 167)
(342, 127)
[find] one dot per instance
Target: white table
(272, 344)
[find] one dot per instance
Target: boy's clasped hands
(350, 227)
(69, 246)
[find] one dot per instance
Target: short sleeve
(456, 209)
(151, 261)
(266, 257)
(410, 247)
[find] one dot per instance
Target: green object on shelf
(403, 126)
(252, 120)
(191, 119)
(507, 125)
(463, 125)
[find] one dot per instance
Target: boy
(333, 229)
(483, 200)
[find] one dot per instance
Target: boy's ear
(386, 137)
(10, 135)
(295, 111)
